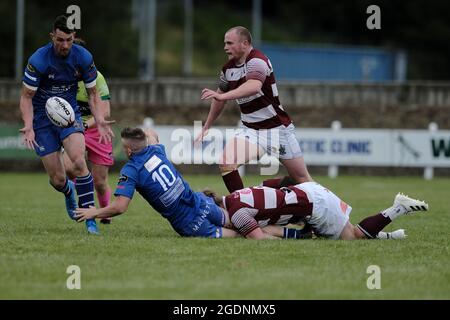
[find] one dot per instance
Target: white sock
(394, 212)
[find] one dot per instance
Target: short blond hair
(243, 33)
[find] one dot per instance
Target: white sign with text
(360, 147)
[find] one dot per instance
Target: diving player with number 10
(191, 214)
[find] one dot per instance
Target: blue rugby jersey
(156, 179)
(50, 75)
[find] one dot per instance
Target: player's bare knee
(70, 171)
(227, 165)
(348, 232)
(303, 179)
(224, 168)
(358, 234)
(58, 180)
(100, 186)
(79, 166)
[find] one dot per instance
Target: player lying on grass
(150, 173)
(250, 209)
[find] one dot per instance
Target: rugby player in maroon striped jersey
(258, 213)
(248, 78)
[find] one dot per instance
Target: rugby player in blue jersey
(54, 70)
(191, 214)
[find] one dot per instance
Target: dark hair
(212, 194)
(243, 33)
(80, 42)
(61, 24)
(133, 133)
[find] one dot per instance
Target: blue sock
(304, 233)
(289, 233)
(85, 191)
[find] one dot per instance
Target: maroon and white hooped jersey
(255, 207)
(262, 110)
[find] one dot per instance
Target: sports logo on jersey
(245, 191)
(51, 76)
(92, 71)
(92, 66)
(30, 68)
(282, 150)
(122, 178)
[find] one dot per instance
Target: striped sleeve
(31, 76)
(257, 69)
(88, 69)
(243, 219)
(224, 85)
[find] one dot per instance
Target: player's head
(62, 36)
(133, 140)
(238, 42)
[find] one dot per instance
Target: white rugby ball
(60, 112)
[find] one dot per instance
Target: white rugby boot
(404, 205)
(411, 205)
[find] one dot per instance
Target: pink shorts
(98, 153)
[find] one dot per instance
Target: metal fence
(186, 92)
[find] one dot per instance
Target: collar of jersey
(140, 153)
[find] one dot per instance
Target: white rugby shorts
(330, 214)
(279, 141)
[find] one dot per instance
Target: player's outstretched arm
(275, 231)
(118, 206)
(26, 109)
(247, 226)
(103, 126)
(247, 89)
(105, 105)
(214, 112)
(258, 234)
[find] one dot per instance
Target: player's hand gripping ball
(60, 112)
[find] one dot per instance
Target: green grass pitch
(139, 256)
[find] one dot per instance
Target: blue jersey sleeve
(32, 75)
(88, 69)
(127, 182)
